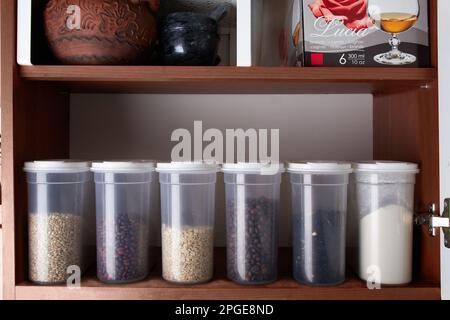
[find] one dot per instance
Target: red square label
(317, 59)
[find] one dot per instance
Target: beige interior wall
(325, 127)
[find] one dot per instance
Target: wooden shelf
(230, 79)
(154, 288)
(221, 289)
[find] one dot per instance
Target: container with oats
(60, 210)
(187, 216)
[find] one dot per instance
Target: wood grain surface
(229, 79)
(406, 128)
(155, 288)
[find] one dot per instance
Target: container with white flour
(383, 197)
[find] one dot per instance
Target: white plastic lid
(320, 167)
(187, 167)
(253, 168)
(132, 166)
(57, 166)
(386, 166)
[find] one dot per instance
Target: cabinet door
(444, 128)
(1, 233)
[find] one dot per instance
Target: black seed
(259, 245)
(319, 255)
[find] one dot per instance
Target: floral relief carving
(104, 23)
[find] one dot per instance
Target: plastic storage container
(60, 209)
(123, 203)
(383, 209)
(352, 227)
(319, 205)
(252, 205)
(187, 216)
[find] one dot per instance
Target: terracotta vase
(101, 32)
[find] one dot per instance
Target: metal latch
(435, 221)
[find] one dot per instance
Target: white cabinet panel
(444, 128)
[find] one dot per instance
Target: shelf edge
(246, 293)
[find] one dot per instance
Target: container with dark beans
(319, 210)
(123, 202)
(252, 205)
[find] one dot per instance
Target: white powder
(385, 250)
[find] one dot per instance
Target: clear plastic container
(352, 227)
(319, 205)
(384, 212)
(252, 206)
(60, 209)
(187, 216)
(123, 206)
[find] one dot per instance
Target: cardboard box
(291, 37)
(341, 33)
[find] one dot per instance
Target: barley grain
(187, 254)
(55, 243)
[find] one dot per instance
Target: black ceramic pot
(190, 39)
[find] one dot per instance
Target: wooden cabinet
(1, 264)
(35, 125)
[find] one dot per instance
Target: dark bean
(125, 259)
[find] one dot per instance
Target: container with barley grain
(59, 219)
(187, 214)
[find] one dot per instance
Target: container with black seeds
(252, 207)
(319, 212)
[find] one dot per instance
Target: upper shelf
(155, 79)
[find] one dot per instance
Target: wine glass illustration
(394, 17)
